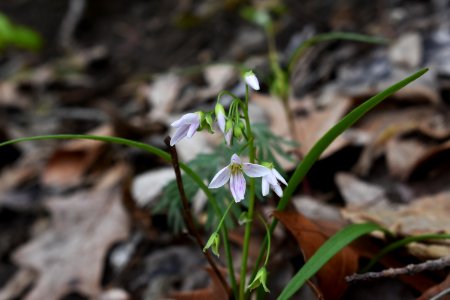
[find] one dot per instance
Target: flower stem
(251, 201)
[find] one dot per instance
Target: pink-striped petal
(220, 178)
(254, 170)
(180, 133)
(237, 186)
(235, 159)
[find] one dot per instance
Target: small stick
(430, 265)
(187, 216)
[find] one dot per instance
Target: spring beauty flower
(271, 180)
(251, 80)
(186, 126)
(234, 172)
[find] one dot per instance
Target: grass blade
(324, 254)
(330, 36)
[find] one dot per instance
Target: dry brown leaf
(435, 290)
(317, 122)
(433, 157)
(214, 291)
(403, 155)
(426, 215)
(69, 163)
(310, 235)
(383, 125)
(69, 256)
(360, 194)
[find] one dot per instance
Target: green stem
(223, 217)
(164, 155)
(251, 201)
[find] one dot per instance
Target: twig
(187, 216)
(71, 19)
(430, 265)
(443, 293)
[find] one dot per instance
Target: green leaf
(330, 36)
(324, 254)
(18, 36)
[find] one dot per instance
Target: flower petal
(192, 129)
(264, 187)
(228, 137)
(220, 178)
(235, 159)
(186, 119)
(252, 81)
(221, 122)
(179, 134)
(277, 189)
(237, 186)
(279, 177)
(271, 179)
(254, 170)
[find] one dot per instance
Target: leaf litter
(399, 180)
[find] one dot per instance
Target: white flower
(186, 126)
(251, 80)
(271, 180)
(234, 173)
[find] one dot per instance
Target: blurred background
(85, 220)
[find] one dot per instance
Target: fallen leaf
(426, 215)
(360, 194)
(156, 179)
(70, 255)
(403, 155)
(68, 165)
(435, 290)
(317, 122)
(310, 235)
(383, 125)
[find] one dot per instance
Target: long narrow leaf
(330, 36)
(324, 254)
(322, 144)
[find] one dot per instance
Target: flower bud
(220, 116)
(214, 242)
(251, 80)
(260, 279)
(237, 131)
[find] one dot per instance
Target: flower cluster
(230, 126)
(189, 123)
